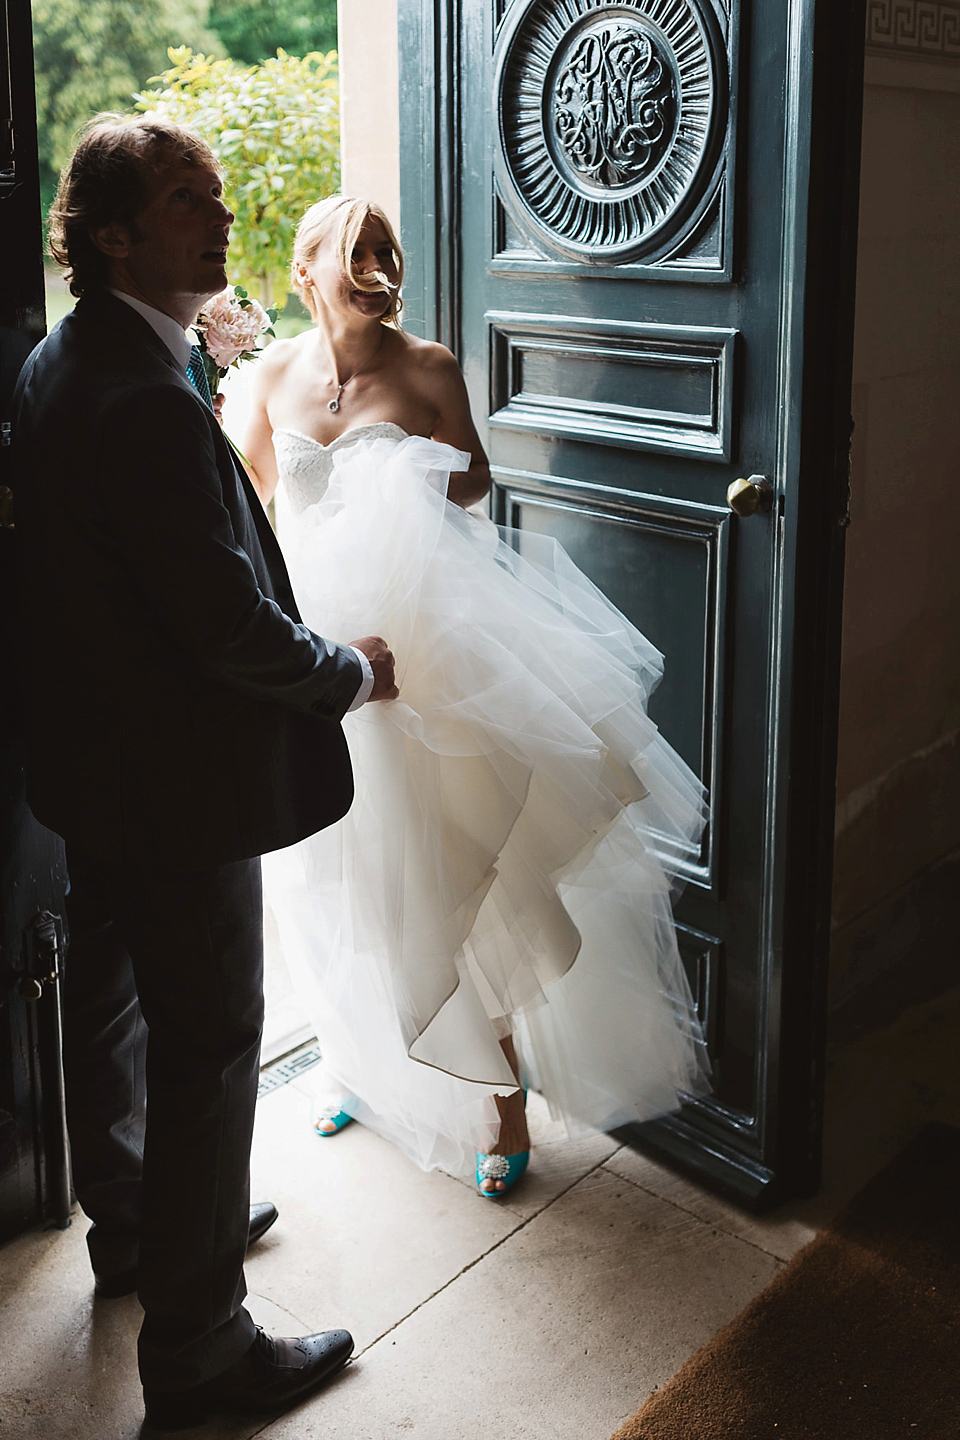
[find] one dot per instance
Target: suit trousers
(162, 1017)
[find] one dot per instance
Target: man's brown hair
(107, 182)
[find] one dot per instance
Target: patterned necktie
(197, 375)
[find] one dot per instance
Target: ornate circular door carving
(609, 118)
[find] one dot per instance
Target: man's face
(174, 255)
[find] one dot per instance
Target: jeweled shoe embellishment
(494, 1167)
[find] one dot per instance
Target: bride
(495, 910)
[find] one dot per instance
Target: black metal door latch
(40, 958)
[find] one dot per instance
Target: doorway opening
(256, 78)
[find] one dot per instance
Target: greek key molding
(921, 29)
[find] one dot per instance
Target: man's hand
(218, 400)
(382, 664)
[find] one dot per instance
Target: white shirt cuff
(366, 684)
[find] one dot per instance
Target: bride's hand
(382, 664)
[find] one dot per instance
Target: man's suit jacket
(178, 711)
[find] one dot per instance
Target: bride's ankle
(513, 1137)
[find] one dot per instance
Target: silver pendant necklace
(334, 405)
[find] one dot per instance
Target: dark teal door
(635, 224)
(34, 1172)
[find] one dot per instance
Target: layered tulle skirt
(506, 867)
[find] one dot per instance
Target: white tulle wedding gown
(507, 862)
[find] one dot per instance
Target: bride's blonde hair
(344, 216)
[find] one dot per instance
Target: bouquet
(229, 328)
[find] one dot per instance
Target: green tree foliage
(275, 128)
(252, 30)
(93, 55)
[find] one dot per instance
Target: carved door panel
(634, 221)
(34, 1177)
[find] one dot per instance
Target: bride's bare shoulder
(281, 354)
(425, 354)
(280, 359)
(426, 361)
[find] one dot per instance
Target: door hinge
(8, 154)
(42, 951)
(843, 519)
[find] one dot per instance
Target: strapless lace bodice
(304, 464)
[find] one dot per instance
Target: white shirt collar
(172, 334)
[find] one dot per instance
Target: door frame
(34, 1156)
(816, 312)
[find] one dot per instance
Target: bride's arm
(455, 427)
(256, 442)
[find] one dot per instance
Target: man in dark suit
(182, 721)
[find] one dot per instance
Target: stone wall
(898, 779)
(370, 121)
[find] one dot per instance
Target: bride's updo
(344, 216)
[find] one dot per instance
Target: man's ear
(113, 240)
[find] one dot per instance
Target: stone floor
(548, 1315)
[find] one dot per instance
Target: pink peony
(230, 329)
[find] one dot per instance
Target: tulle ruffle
(507, 863)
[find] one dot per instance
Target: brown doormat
(858, 1338)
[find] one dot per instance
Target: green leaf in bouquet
(212, 370)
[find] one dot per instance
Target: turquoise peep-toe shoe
(340, 1119)
(507, 1168)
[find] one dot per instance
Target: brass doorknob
(30, 989)
(747, 497)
